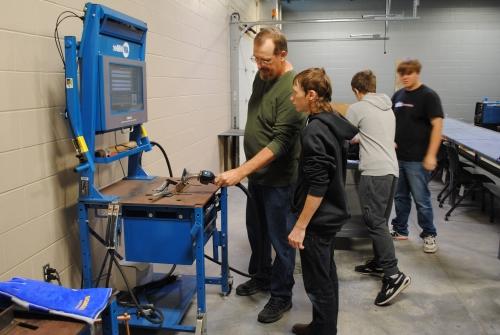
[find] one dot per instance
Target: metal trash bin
(229, 149)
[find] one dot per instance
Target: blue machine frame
(108, 33)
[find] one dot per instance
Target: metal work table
(479, 145)
(15, 322)
(134, 193)
(172, 230)
(355, 226)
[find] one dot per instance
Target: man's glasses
(262, 61)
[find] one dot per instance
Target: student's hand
(296, 237)
(354, 140)
(229, 178)
(430, 162)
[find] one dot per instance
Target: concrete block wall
(458, 43)
(188, 104)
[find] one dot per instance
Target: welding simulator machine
(105, 78)
(487, 114)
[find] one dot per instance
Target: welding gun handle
(206, 177)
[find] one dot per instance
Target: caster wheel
(440, 205)
(201, 324)
(230, 287)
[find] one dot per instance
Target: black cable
(167, 279)
(119, 160)
(254, 208)
(56, 30)
(103, 265)
(110, 267)
(241, 273)
(153, 143)
(102, 241)
(52, 274)
(239, 185)
(165, 156)
(57, 40)
(247, 193)
(150, 313)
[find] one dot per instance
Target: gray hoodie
(375, 119)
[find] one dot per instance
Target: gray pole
(234, 35)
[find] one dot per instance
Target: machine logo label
(402, 104)
(123, 48)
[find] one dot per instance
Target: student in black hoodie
(320, 198)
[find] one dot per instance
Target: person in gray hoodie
(374, 118)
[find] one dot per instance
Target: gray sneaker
(430, 245)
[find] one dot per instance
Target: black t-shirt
(414, 111)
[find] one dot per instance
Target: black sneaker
(274, 309)
(391, 287)
(302, 329)
(369, 268)
(251, 287)
(399, 237)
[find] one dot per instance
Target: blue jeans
(268, 224)
(413, 179)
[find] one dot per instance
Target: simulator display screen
(126, 88)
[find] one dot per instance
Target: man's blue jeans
(268, 224)
(414, 180)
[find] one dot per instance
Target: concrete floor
(455, 291)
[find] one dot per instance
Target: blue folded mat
(39, 296)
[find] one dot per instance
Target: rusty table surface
(138, 193)
(47, 327)
(15, 322)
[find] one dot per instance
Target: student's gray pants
(376, 195)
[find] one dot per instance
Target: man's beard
(266, 76)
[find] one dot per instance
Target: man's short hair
(409, 66)
(365, 82)
(276, 35)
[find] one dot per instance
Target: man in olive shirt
(272, 150)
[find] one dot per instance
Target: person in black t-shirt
(419, 123)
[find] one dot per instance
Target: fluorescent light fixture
(380, 16)
(364, 35)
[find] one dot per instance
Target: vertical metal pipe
(199, 221)
(386, 28)
(234, 36)
(110, 319)
(224, 242)
(387, 13)
(85, 250)
(416, 3)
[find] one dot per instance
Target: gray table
(483, 143)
